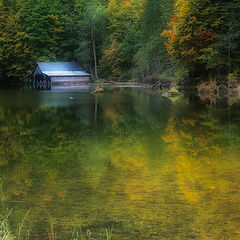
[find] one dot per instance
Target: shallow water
(144, 166)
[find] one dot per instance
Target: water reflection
(47, 86)
(149, 167)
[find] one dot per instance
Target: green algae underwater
(125, 162)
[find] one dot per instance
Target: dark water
(145, 166)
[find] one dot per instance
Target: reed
(20, 227)
(23, 234)
(5, 233)
(79, 235)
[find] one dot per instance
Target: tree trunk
(94, 51)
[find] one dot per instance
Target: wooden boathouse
(58, 73)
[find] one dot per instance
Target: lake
(124, 162)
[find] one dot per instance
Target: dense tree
(124, 32)
(42, 21)
(152, 56)
(122, 39)
(13, 48)
(200, 37)
(84, 33)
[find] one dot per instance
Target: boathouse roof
(56, 69)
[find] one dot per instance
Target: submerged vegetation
(187, 41)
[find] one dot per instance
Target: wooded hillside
(187, 40)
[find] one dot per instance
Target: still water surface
(145, 166)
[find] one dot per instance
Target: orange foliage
(188, 34)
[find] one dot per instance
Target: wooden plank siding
(70, 79)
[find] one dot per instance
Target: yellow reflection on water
(149, 169)
(207, 174)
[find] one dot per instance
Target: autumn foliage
(185, 40)
(197, 34)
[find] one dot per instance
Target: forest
(187, 41)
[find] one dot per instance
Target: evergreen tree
(152, 56)
(43, 22)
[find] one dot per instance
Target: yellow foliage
(189, 52)
(172, 34)
(122, 15)
(112, 58)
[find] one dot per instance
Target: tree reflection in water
(149, 167)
